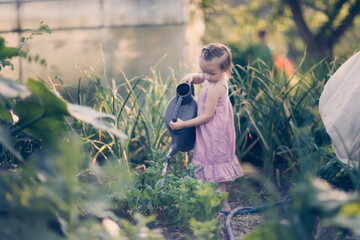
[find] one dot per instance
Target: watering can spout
(173, 150)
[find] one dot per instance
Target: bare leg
(222, 188)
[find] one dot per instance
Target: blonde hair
(218, 50)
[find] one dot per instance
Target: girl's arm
(213, 95)
(195, 78)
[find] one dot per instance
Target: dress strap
(225, 85)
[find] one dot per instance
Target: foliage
(316, 206)
(323, 28)
(139, 106)
(49, 191)
(175, 197)
(50, 197)
(42, 114)
(271, 110)
(204, 230)
(24, 51)
(6, 53)
(40, 199)
(132, 231)
(334, 18)
(40, 195)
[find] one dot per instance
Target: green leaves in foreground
(11, 89)
(6, 53)
(95, 118)
(37, 110)
(42, 115)
(316, 206)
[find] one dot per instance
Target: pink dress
(214, 149)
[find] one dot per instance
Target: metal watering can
(182, 106)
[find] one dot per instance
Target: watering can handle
(177, 106)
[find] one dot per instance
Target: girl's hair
(218, 50)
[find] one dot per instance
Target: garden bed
(245, 191)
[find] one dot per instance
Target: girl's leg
(222, 188)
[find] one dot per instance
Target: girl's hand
(193, 78)
(179, 124)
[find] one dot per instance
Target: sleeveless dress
(214, 150)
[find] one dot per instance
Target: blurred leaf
(204, 230)
(54, 107)
(140, 230)
(5, 141)
(53, 104)
(271, 231)
(95, 118)
(43, 62)
(48, 129)
(325, 198)
(351, 209)
(7, 52)
(352, 224)
(12, 89)
(5, 63)
(33, 118)
(28, 111)
(4, 113)
(45, 28)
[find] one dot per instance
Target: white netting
(339, 108)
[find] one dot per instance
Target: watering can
(182, 106)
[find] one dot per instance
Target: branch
(332, 14)
(304, 30)
(347, 22)
(26, 125)
(313, 6)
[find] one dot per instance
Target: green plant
(24, 52)
(6, 53)
(139, 105)
(174, 197)
(204, 230)
(42, 199)
(41, 113)
(269, 110)
(317, 211)
(139, 230)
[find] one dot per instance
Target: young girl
(214, 149)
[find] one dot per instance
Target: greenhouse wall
(116, 35)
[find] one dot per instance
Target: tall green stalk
(267, 106)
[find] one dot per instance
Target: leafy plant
(140, 230)
(24, 52)
(175, 198)
(204, 230)
(317, 211)
(139, 106)
(269, 111)
(42, 114)
(40, 199)
(6, 53)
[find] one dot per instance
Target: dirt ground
(246, 191)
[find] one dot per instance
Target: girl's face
(211, 70)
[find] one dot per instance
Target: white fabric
(339, 107)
